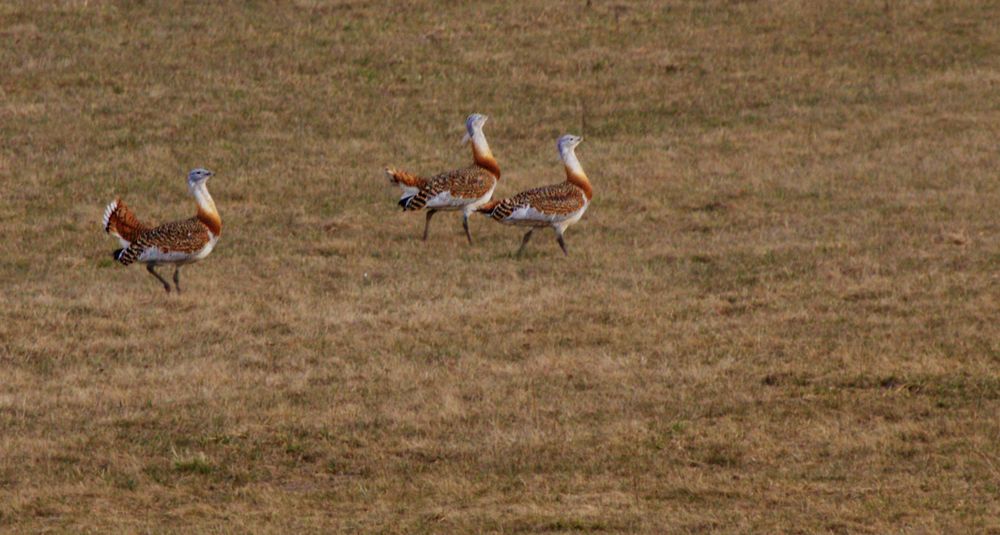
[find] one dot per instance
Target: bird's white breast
(529, 216)
(573, 217)
(207, 248)
(156, 255)
(445, 201)
(472, 206)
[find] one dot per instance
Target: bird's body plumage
(177, 242)
(462, 189)
(557, 204)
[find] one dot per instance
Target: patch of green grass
(198, 464)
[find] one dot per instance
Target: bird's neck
(207, 212)
(574, 172)
(481, 154)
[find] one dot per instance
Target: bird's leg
(427, 225)
(562, 243)
(177, 278)
(465, 225)
(527, 236)
(166, 285)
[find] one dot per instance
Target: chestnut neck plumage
(207, 213)
(481, 153)
(574, 171)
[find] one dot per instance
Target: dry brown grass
(780, 313)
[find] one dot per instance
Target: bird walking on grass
(176, 243)
(557, 206)
(464, 189)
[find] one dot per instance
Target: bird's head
(567, 143)
(198, 176)
(474, 123)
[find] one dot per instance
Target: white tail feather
(107, 223)
(107, 213)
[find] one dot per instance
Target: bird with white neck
(463, 190)
(176, 243)
(557, 206)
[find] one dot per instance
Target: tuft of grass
(198, 464)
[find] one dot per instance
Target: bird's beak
(467, 138)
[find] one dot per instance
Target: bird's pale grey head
(198, 176)
(568, 143)
(474, 123)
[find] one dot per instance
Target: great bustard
(177, 243)
(464, 189)
(557, 206)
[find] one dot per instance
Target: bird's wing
(457, 187)
(543, 204)
(186, 237)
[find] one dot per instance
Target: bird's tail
(498, 209)
(487, 209)
(121, 222)
(412, 185)
(404, 179)
(127, 255)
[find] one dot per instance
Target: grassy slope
(780, 312)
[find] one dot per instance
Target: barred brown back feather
(558, 199)
(469, 183)
(187, 236)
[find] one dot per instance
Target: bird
(557, 205)
(464, 189)
(176, 243)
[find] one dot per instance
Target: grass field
(780, 313)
